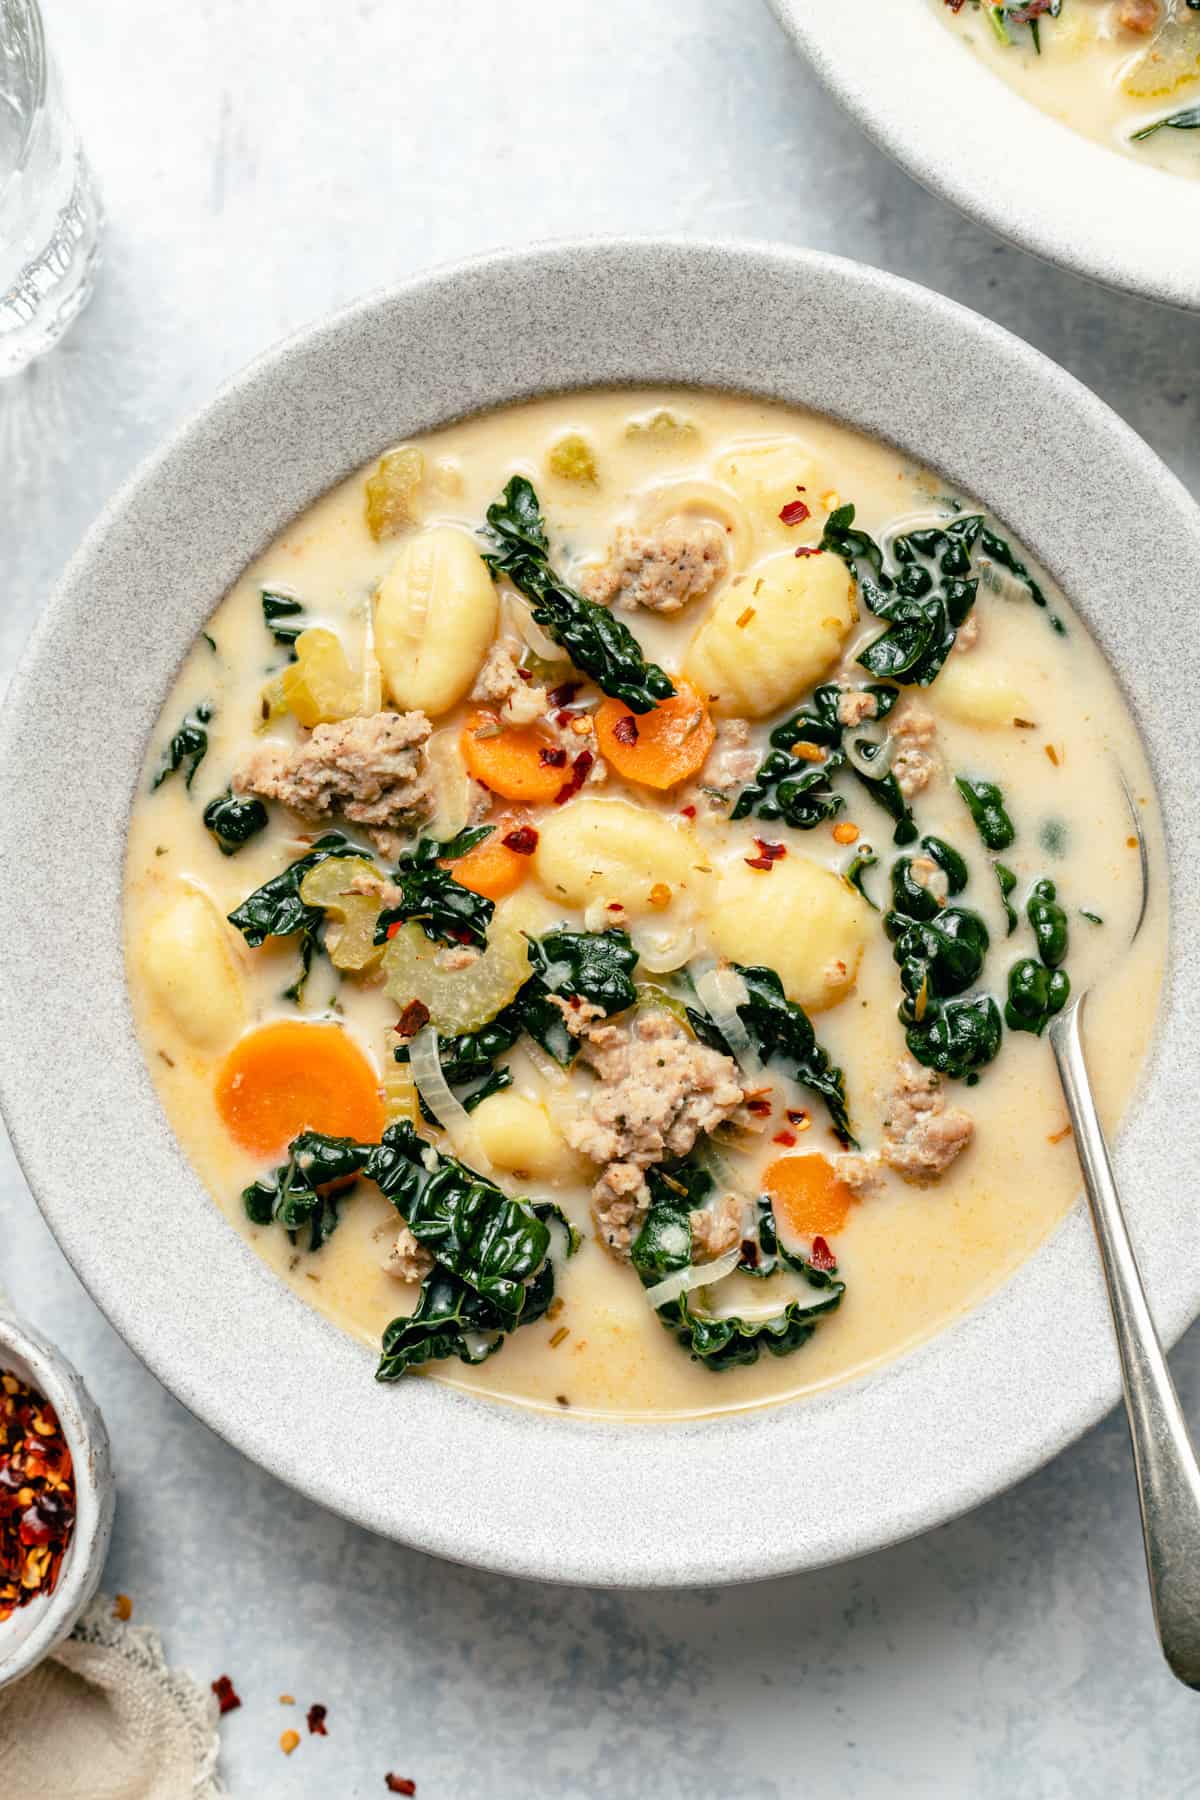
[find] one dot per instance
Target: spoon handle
(1168, 1478)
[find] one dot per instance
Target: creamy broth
(1107, 68)
(913, 1258)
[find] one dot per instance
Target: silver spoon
(1168, 1478)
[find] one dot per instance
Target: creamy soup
(1125, 72)
(708, 866)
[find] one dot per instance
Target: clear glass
(49, 213)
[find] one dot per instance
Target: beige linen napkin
(104, 1718)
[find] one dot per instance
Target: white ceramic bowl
(532, 1493)
(961, 131)
(31, 1633)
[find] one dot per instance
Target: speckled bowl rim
(941, 112)
(512, 1489)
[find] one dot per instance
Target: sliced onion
(721, 992)
(517, 614)
(544, 1063)
(693, 1276)
(663, 948)
(873, 767)
(434, 1089)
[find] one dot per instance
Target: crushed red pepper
(37, 1495)
(807, 550)
(821, 1256)
(794, 513)
(580, 769)
(523, 840)
(399, 1784)
(228, 1700)
(316, 1720)
(414, 1018)
(625, 730)
(552, 757)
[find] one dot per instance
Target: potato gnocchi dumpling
(772, 635)
(434, 619)
(801, 920)
(527, 948)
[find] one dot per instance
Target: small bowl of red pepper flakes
(56, 1497)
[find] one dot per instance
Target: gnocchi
(975, 692)
(192, 969)
(518, 1134)
(766, 477)
(613, 853)
(435, 616)
(801, 920)
(772, 635)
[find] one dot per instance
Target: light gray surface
(259, 168)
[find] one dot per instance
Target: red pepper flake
(613, 906)
(414, 1018)
(625, 730)
(1022, 15)
(563, 695)
(760, 1108)
(316, 1720)
(227, 1699)
(794, 513)
(759, 862)
(552, 758)
(772, 852)
(786, 1138)
(821, 1256)
(399, 1784)
(580, 769)
(525, 674)
(37, 1495)
(393, 928)
(797, 1116)
(807, 550)
(523, 840)
(689, 812)
(563, 718)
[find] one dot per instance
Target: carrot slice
(660, 748)
(493, 868)
(294, 1076)
(508, 759)
(810, 1197)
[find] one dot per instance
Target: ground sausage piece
(731, 763)
(656, 1090)
(861, 1174)
(717, 1229)
(967, 635)
(661, 570)
(915, 762)
(499, 683)
(1139, 15)
(854, 706)
(927, 874)
(921, 1134)
(371, 770)
(408, 1260)
(580, 1014)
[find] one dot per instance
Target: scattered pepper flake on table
(123, 1608)
(316, 1720)
(288, 1742)
(287, 1699)
(228, 1700)
(37, 1495)
(399, 1784)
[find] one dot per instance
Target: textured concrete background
(261, 165)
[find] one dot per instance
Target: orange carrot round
(810, 1198)
(494, 868)
(509, 759)
(660, 748)
(293, 1076)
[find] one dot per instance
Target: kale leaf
(188, 746)
(596, 642)
(1049, 921)
(855, 872)
(923, 598)
(959, 1038)
(446, 911)
(277, 607)
(276, 909)
(234, 820)
(985, 802)
(1188, 119)
(796, 787)
(1035, 994)
(1007, 881)
(596, 966)
(782, 1032)
(292, 1197)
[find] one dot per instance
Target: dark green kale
(1049, 922)
(276, 608)
(292, 1197)
(958, 1038)
(1035, 994)
(948, 860)
(986, 805)
(789, 785)
(1093, 918)
(923, 598)
(596, 642)
(998, 551)
(1052, 836)
(664, 1245)
(1188, 119)
(587, 965)
(864, 858)
(446, 911)
(1007, 881)
(233, 820)
(189, 747)
(782, 1032)
(276, 909)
